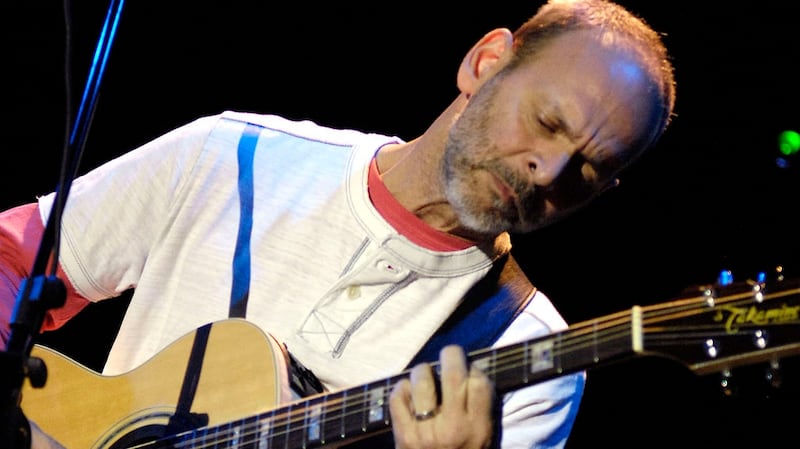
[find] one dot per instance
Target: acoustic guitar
(208, 389)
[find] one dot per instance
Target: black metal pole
(43, 290)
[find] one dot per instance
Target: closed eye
(548, 125)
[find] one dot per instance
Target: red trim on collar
(408, 224)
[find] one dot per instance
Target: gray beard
(466, 139)
(498, 216)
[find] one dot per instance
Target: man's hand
(463, 419)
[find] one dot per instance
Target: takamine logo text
(743, 316)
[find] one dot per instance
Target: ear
(482, 59)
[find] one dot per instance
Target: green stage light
(789, 142)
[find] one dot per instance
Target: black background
(709, 197)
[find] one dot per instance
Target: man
(352, 249)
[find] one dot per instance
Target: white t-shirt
(351, 298)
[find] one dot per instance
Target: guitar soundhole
(155, 430)
(141, 435)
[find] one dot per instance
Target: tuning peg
(779, 273)
(726, 383)
(776, 274)
(725, 277)
(773, 374)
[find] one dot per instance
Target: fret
(185, 440)
(557, 354)
(520, 364)
(376, 413)
(331, 417)
(525, 373)
(352, 411)
(250, 432)
(265, 431)
(486, 363)
(286, 426)
(235, 435)
(366, 393)
(313, 430)
(616, 342)
(246, 433)
(295, 432)
(376, 406)
(540, 354)
(491, 370)
(343, 416)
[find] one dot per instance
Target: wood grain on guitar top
(83, 409)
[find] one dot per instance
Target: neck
(412, 172)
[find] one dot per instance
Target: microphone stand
(43, 290)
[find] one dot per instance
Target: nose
(546, 166)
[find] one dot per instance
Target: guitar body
(231, 367)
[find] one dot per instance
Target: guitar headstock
(728, 324)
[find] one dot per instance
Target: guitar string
(245, 440)
(734, 322)
(609, 328)
(282, 421)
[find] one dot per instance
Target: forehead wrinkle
(557, 112)
(587, 125)
(609, 144)
(601, 145)
(626, 79)
(586, 108)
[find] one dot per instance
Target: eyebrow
(608, 157)
(554, 112)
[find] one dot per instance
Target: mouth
(508, 199)
(505, 192)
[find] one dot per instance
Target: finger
(400, 404)
(480, 393)
(453, 379)
(423, 391)
(401, 407)
(467, 396)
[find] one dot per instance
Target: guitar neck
(582, 346)
(714, 328)
(347, 415)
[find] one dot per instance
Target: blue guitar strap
(487, 310)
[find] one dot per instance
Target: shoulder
(301, 129)
(540, 317)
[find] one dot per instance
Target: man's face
(539, 141)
